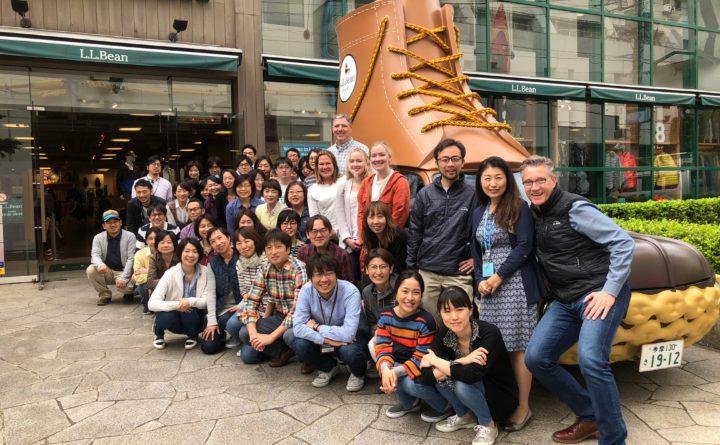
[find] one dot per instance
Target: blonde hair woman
(346, 207)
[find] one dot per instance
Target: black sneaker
(432, 416)
(399, 410)
(128, 298)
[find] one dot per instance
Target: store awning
(710, 101)
(116, 54)
(526, 88)
(649, 97)
(279, 69)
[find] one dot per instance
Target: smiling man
(319, 230)
(344, 142)
(112, 257)
(586, 260)
(161, 187)
(325, 325)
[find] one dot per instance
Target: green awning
(648, 97)
(710, 101)
(283, 69)
(115, 54)
(492, 85)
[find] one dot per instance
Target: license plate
(667, 354)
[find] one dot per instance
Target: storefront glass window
(674, 10)
(298, 116)
(708, 50)
(627, 52)
(709, 151)
(301, 28)
(518, 39)
(639, 8)
(672, 137)
(673, 55)
(708, 13)
(469, 17)
(584, 4)
(575, 41)
(528, 118)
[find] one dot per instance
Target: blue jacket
(225, 274)
(521, 257)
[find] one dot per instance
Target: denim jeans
(184, 323)
(144, 294)
(466, 397)
(352, 355)
(265, 325)
(562, 325)
(233, 327)
(216, 344)
(408, 391)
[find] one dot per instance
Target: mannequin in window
(664, 179)
(127, 175)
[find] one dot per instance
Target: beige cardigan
(169, 291)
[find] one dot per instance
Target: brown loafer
(306, 368)
(577, 432)
(282, 359)
(103, 301)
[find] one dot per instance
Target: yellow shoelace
(445, 91)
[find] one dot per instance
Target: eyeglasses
(156, 164)
(376, 267)
(270, 191)
(288, 223)
(446, 160)
(322, 231)
(194, 209)
(327, 274)
(295, 192)
(528, 183)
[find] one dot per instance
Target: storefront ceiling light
(43, 158)
(15, 125)
(312, 135)
(24, 138)
(102, 170)
(234, 151)
(187, 150)
(130, 128)
(120, 140)
(29, 148)
(223, 132)
(197, 142)
(114, 149)
(142, 114)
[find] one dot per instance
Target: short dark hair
(445, 143)
(296, 184)
(158, 208)
(152, 159)
(249, 178)
(311, 222)
(287, 214)
(142, 183)
(232, 173)
(164, 234)
(294, 150)
(284, 161)
(213, 161)
(247, 232)
(256, 222)
(195, 243)
(222, 230)
(185, 185)
(453, 296)
(272, 184)
(381, 253)
(241, 159)
(322, 262)
(197, 200)
(192, 164)
(156, 230)
(251, 147)
(264, 158)
(409, 274)
(196, 225)
(278, 236)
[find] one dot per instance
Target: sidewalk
(72, 371)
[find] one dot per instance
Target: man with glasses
(439, 227)
(319, 230)
(112, 257)
(161, 187)
(250, 151)
(195, 211)
(586, 261)
(325, 325)
(244, 165)
(344, 142)
(158, 218)
(284, 169)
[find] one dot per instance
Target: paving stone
(45, 367)
(327, 400)
(141, 371)
(266, 427)
(150, 426)
(373, 437)
(190, 434)
(667, 403)
(18, 379)
(27, 424)
(103, 342)
(207, 392)
(697, 352)
(6, 367)
(693, 434)
(92, 381)
(127, 390)
(676, 376)
(706, 369)
(441, 441)
(289, 373)
(206, 408)
(75, 356)
(410, 424)
(632, 392)
(684, 394)
(217, 376)
(195, 362)
(127, 354)
(705, 414)
(306, 412)
(711, 387)
(291, 441)
(340, 425)
(51, 389)
(259, 392)
(74, 400)
(660, 416)
(639, 433)
(121, 418)
(78, 369)
(82, 412)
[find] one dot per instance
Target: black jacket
(135, 217)
(439, 227)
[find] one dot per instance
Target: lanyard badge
(488, 234)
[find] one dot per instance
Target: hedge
(697, 211)
(705, 237)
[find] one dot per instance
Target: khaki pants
(101, 281)
(435, 283)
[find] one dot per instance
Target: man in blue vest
(586, 261)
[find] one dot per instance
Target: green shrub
(705, 237)
(697, 211)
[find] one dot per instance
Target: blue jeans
(408, 391)
(216, 344)
(563, 325)
(144, 294)
(233, 327)
(184, 323)
(353, 355)
(265, 325)
(466, 397)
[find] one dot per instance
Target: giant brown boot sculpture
(401, 81)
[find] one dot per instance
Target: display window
(518, 42)
(575, 43)
(528, 118)
(673, 57)
(708, 158)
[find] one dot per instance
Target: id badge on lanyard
(488, 233)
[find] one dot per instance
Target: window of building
(470, 18)
(674, 58)
(639, 8)
(674, 10)
(708, 13)
(575, 41)
(708, 52)
(284, 13)
(627, 52)
(584, 4)
(708, 160)
(528, 118)
(672, 136)
(518, 39)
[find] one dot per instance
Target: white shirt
(161, 188)
(321, 201)
(181, 212)
(378, 186)
(346, 210)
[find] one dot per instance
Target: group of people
(324, 258)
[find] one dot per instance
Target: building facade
(624, 95)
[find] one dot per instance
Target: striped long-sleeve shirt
(403, 341)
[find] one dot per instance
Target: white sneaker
(232, 344)
(485, 435)
(354, 383)
(455, 422)
(159, 343)
(190, 343)
(323, 378)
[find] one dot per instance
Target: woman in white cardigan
(346, 206)
(322, 196)
(181, 296)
